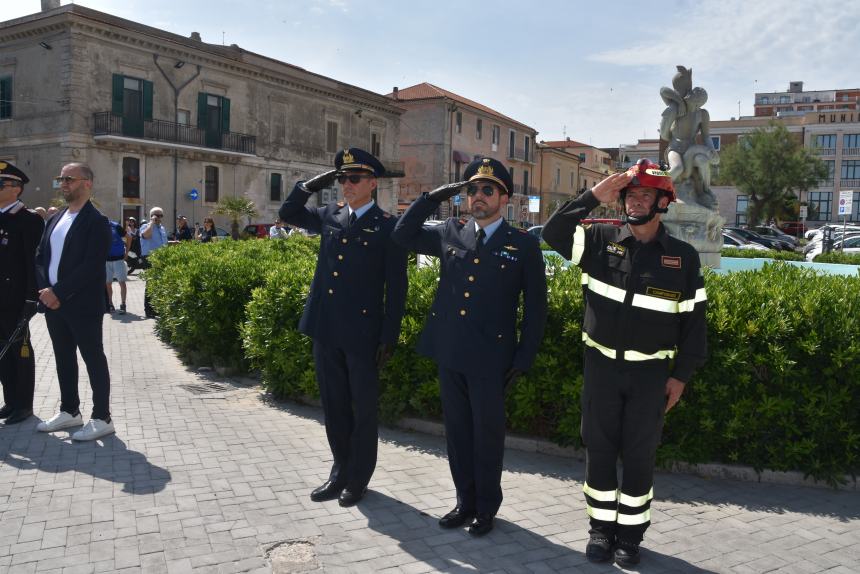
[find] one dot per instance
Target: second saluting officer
(20, 231)
(471, 329)
(353, 313)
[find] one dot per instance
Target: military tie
(351, 220)
(479, 241)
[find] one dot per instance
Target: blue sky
(590, 70)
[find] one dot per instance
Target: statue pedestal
(698, 226)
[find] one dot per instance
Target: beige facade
(98, 89)
(442, 132)
(558, 178)
(629, 154)
(834, 136)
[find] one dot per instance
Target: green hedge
(756, 254)
(838, 257)
(780, 391)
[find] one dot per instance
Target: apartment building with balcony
(558, 178)
(595, 162)
(797, 101)
(834, 136)
(157, 115)
(442, 132)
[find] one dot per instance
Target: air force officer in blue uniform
(471, 331)
(353, 313)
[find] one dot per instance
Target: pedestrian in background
(207, 232)
(152, 236)
(115, 267)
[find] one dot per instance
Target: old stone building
(158, 115)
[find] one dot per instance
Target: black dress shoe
(6, 411)
(351, 496)
(598, 549)
(19, 416)
(626, 554)
(456, 518)
(328, 491)
(482, 525)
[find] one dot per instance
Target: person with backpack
(115, 266)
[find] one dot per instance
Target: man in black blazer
(20, 230)
(70, 274)
(471, 330)
(353, 313)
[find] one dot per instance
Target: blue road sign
(193, 195)
(456, 200)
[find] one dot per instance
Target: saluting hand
(674, 389)
(609, 189)
(447, 191)
(320, 181)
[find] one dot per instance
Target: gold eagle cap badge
(486, 168)
(3, 165)
(347, 157)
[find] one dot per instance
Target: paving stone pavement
(219, 482)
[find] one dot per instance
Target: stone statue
(690, 154)
(683, 122)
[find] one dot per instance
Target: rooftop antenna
(564, 131)
(222, 37)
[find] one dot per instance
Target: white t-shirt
(58, 240)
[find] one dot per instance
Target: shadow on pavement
(508, 548)
(106, 459)
(675, 487)
(127, 318)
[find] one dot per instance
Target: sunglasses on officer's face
(352, 178)
(487, 190)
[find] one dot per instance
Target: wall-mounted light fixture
(178, 64)
(46, 46)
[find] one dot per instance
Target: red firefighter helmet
(649, 174)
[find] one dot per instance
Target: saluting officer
(353, 312)
(471, 329)
(20, 232)
(644, 305)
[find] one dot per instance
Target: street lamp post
(176, 90)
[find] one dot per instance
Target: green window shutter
(201, 110)
(116, 100)
(147, 100)
(225, 115)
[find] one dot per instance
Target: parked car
(732, 239)
(850, 240)
(535, 230)
(257, 229)
(769, 242)
(793, 228)
(767, 231)
(814, 234)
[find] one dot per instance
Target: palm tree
(234, 208)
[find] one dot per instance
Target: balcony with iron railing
(521, 154)
(849, 184)
(851, 151)
(824, 150)
(520, 190)
(107, 123)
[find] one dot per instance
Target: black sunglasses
(353, 178)
(487, 190)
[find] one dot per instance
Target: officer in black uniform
(471, 329)
(353, 312)
(645, 334)
(20, 232)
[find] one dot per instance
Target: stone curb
(703, 470)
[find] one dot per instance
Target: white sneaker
(61, 420)
(94, 429)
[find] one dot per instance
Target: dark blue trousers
(17, 369)
(68, 335)
(474, 411)
(349, 390)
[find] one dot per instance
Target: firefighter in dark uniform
(471, 331)
(644, 333)
(353, 313)
(20, 232)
